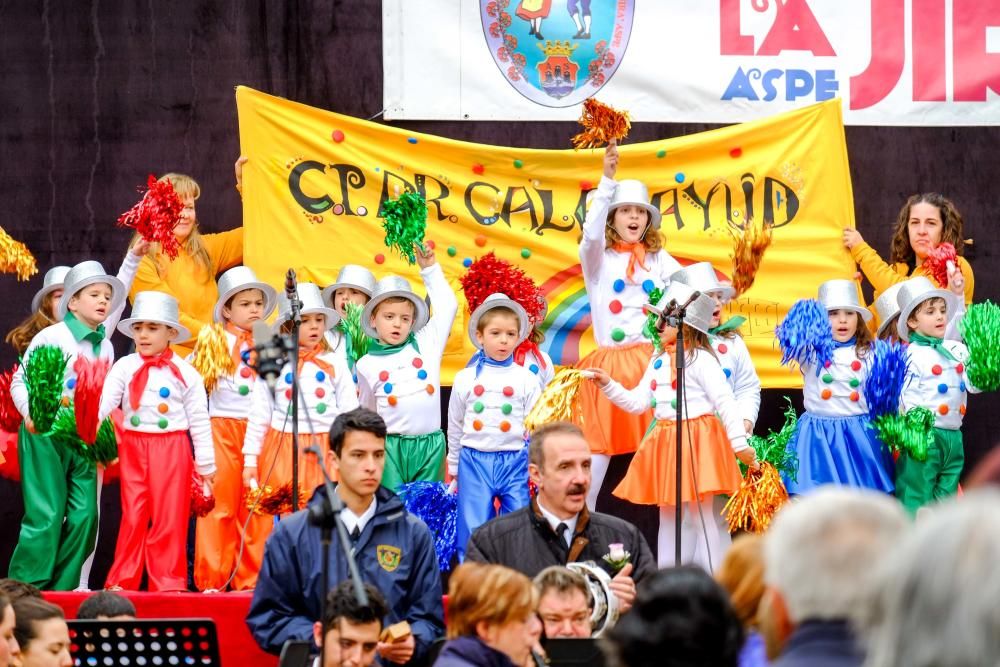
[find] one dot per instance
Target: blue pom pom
(886, 376)
(432, 504)
(805, 335)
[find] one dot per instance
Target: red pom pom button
(320, 393)
(855, 365)
(959, 367)
(615, 306)
(508, 391)
(855, 396)
(418, 362)
(383, 376)
(245, 372)
(673, 384)
(936, 369)
(288, 394)
(827, 363)
(478, 390)
(723, 348)
(652, 385)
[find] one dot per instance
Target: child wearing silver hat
(354, 285)
(623, 260)
(60, 487)
(712, 430)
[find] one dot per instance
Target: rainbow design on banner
(568, 316)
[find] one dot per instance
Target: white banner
(893, 62)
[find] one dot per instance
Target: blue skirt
(840, 450)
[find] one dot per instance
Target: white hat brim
(524, 326)
(907, 310)
(183, 333)
(655, 216)
(36, 301)
(118, 293)
(421, 312)
(270, 298)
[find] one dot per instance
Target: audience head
(10, 651)
(742, 576)
(681, 617)
(565, 603)
(41, 632)
(559, 463)
(106, 604)
(351, 629)
(938, 589)
(357, 451)
(821, 554)
(15, 590)
(495, 604)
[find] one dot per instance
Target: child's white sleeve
(114, 388)
(592, 243)
(126, 274)
(747, 383)
(366, 396)
(261, 406)
(345, 389)
(712, 379)
(196, 407)
(443, 303)
(456, 420)
(636, 400)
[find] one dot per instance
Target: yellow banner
(316, 180)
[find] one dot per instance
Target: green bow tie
(931, 341)
(81, 332)
(732, 324)
(380, 349)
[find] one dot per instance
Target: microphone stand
(679, 364)
(291, 291)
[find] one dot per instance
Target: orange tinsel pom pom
(601, 123)
(758, 499)
(751, 243)
(15, 257)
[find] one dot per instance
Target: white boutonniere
(617, 557)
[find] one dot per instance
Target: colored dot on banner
(411, 140)
(337, 136)
(430, 244)
(380, 258)
(338, 209)
(518, 164)
(586, 185)
(452, 251)
(661, 153)
(736, 152)
(525, 253)
(481, 240)
(478, 169)
(467, 262)
(679, 177)
(362, 210)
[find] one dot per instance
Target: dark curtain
(96, 95)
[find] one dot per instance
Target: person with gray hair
(928, 615)
(820, 556)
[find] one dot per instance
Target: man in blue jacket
(394, 550)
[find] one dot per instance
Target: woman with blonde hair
(491, 618)
(190, 277)
(742, 575)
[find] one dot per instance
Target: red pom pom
(10, 418)
(155, 215)
(90, 377)
(936, 263)
(490, 274)
(202, 500)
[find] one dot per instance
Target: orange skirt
(274, 465)
(609, 429)
(709, 465)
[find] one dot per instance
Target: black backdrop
(95, 95)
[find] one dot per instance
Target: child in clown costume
(486, 434)
(163, 399)
(242, 301)
(623, 260)
(60, 487)
(354, 285)
(400, 377)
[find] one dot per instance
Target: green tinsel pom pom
(64, 433)
(911, 433)
(356, 338)
(405, 221)
(649, 328)
(980, 328)
(44, 374)
(774, 448)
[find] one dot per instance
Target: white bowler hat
(498, 300)
(240, 278)
(89, 273)
(842, 295)
(312, 303)
(389, 287)
(155, 307)
(699, 314)
(886, 306)
(353, 276)
(914, 292)
(633, 192)
(702, 276)
(53, 280)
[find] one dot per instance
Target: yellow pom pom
(601, 123)
(211, 355)
(15, 257)
(559, 401)
(760, 496)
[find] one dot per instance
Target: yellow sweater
(195, 291)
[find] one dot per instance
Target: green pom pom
(355, 336)
(911, 434)
(64, 434)
(980, 327)
(773, 448)
(649, 328)
(44, 373)
(405, 221)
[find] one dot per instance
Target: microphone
(269, 354)
(291, 285)
(691, 299)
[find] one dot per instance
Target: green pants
(60, 514)
(919, 483)
(412, 458)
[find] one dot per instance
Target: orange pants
(156, 502)
(221, 532)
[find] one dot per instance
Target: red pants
(220, 532)
(156, 500)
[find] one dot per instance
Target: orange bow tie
(637, 259)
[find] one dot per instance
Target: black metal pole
(679, 362)
(296, 308)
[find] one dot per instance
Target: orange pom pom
(15, 257)
(601, 123)
(748, 253)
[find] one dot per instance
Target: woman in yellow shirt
(924, 222)
(190, 278)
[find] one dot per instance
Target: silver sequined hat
(312, 303)
(914, 292)
(240, 278)
(633, 192)
(702, 276)
(157, 307)
(842, 295)
(53, 280)
(498, 300)
(386, 288)
(887, 307)
(353, 276)
(699, 314)
(89, 273)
